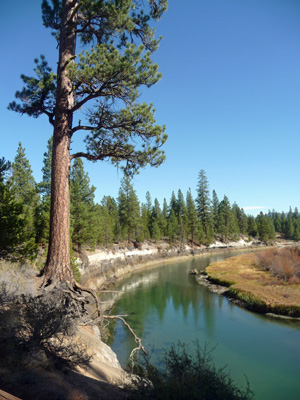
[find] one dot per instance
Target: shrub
(282, 263)
(37, 329)
(186, 377)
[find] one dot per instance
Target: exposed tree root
(83, 289)
(76, 299)
(75, 296)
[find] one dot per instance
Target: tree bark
(58, 268)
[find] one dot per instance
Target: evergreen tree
(104, 225)
(252, 226)
(182, 217)
(4, 170)
(157, 216)
(173, 204)
(272, 233)
(118, 40)
(45, 192)
(277, 222)
(289, 227)
(25, 191)
(22, 179)
(145, 233)
(283, 222)
(148, 202)
(112, 208)
(83, 227)
(156, 212)
(200, 233)
(240, 219)
(172, 227)
(192, 220)
(165, 214)
(11, 212)
(203, 205)
(296, 235)
(155, 231)
(129, 209)
(148, 206)
(227, 222)
(215, 210)
(45, 185)
(265, 227)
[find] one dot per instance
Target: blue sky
(229, 96)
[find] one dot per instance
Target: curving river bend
(166, 305)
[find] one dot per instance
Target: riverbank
(103, 267)
(245, 283)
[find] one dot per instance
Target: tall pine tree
(204, 206)
(26, 192)
(192, 220)
(129, 209)
(117, 39)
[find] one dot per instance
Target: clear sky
(229, 96)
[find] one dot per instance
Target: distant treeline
(25, 210)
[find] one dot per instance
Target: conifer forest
(181, 218)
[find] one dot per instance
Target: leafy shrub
(186, 377)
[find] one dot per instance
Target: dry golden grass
(257, 287)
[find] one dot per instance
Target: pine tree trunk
(57, 268)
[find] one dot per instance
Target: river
(166, 305)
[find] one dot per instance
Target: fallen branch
(136, 338)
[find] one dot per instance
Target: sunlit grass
(252, 283)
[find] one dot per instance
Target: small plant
(186, 377)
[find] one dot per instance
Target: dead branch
(136, 338)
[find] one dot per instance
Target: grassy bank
(257, 288)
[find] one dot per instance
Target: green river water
(166, 305)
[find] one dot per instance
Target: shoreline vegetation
(250, 284)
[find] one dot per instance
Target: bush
(282, 263)
(37, 329)
(186, 377)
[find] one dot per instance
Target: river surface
(166, 305)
